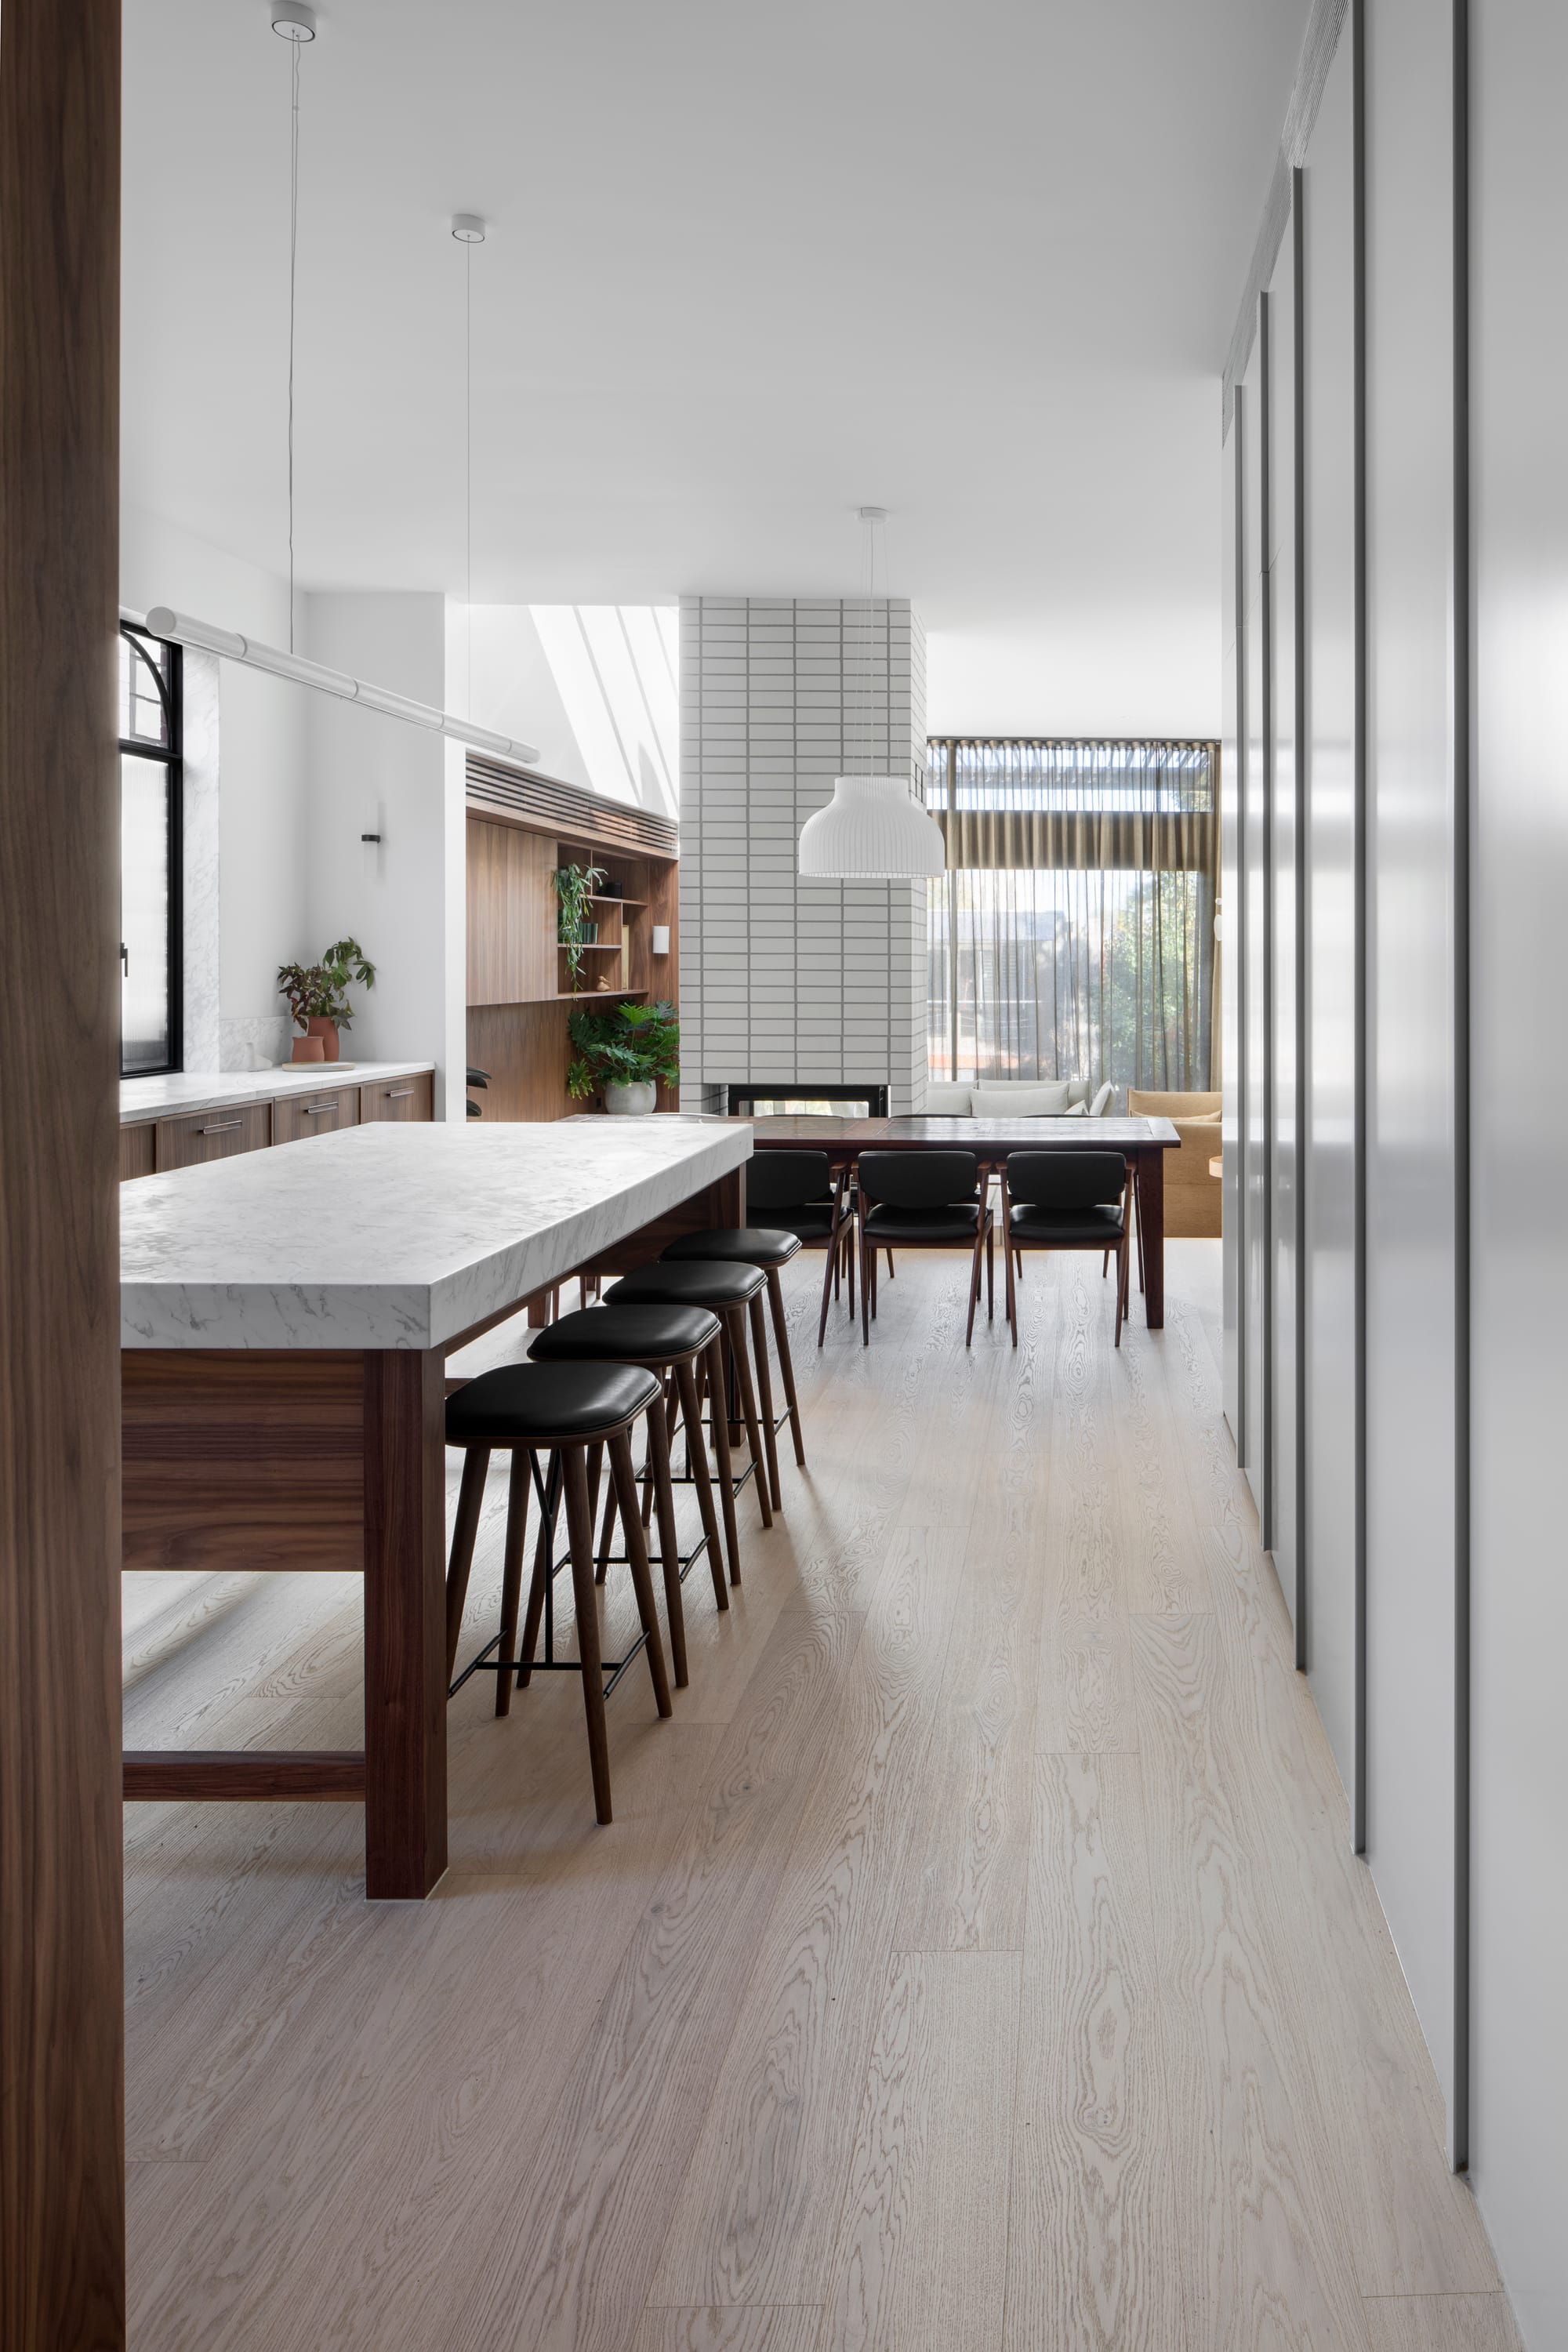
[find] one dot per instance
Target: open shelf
(594, 995)
(595, 899)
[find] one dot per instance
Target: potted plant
(627, 1054)
(574, 886)
(318, 996)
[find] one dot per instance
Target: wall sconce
(662, 939)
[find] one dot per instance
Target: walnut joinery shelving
(520, 981)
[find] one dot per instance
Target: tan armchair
(1192, 1194)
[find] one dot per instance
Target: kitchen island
(284, 1323)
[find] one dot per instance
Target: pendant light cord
(293, 257)
(469, 455)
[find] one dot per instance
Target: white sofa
(945, 1101)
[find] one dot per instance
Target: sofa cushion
(944, 1101)
(1141, 1104)
(1017, 1098)
(1101, 1102)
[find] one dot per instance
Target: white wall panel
(1328, 776)
(1253, 1440)
(1410, 1130)
(1229, 958)
(1520, 1267)
(1279, 1109)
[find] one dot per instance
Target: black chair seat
(623, 1334)
(813, 1221)
(762, 1245)
(688, 1282)
(1097, 1227)
(549, 1403)
(888, 1226)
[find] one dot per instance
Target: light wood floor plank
(1086, 1702)
(1094, 2254)
(761, 2194)
(695, 2083)
(1441, 2323)
(920, 2254)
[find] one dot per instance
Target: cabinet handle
(322, 1110)
(227, 1128)
(398, 1093)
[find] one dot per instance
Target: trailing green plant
(575, 885)
(626, 1046)
(319, 992)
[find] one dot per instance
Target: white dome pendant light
(873, 828)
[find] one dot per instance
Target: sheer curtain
(1072, 934)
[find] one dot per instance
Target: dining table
(1143, 1142)
(286, 1321)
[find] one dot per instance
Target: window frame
(171, 756)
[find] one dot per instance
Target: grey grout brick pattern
(784, 981)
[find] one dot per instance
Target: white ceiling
(748, 267)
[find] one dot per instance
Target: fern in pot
(626, 1053)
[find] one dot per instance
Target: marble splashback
(254, 1043)
(395, 1236)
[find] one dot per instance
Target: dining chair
(1065, 1201)
(798, 1191)
(924, 1199)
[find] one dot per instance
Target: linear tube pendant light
(873, 828)
(297, 23)
(185, 631)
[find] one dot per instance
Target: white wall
(367, 773)
(263, 833)
(594, 687)
(1520, 1270)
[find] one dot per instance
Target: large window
(149, 855)
(1072, 934)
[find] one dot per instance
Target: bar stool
(671, 1342)
(731, 1292)
(769, 1248)
(558, 1411)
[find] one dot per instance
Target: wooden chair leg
(624, 1477)
(890, 1268)
(786, 1365)
(865, 1255)
(764, 1380)
(580, 1537)
(991, 1274)
(973, 1286)
(1012, 1291)
(470, 1502)
(697, 1456)
(725, 1459)
(668, 1546)
(511, 1570)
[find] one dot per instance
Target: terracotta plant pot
(310, 1049)
(327, 1031)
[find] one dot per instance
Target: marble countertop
(394, 1235)
(186, 1090)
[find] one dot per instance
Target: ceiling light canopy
(874, 828)
(293, 20)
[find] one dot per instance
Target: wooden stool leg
(725, 1459)
(786, 1365)
(606, 1533)
(669, 1547)
(580, 1536)
(470, 1501)
(830, 1285)
(511, 1572)
(542, 1573)
(740, 1358)
(642, 1578)
(697, 1454)
(765, 1387)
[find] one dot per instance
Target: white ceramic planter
(640, 1097)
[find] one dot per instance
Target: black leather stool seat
(619, 1335)
(737, 1246)
(1089, 1226)
(688, 1282)
(550, 1403)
